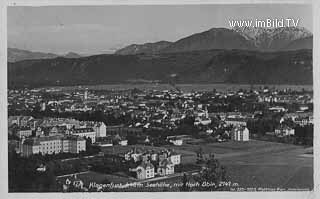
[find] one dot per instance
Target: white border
(188, 195)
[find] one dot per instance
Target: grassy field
(256, 164)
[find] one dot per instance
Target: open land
(257, 164)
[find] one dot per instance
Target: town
(136, 135)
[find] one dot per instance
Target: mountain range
(261, 39)
(219, 55)
(15, 54)
(207, 66)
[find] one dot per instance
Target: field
(255, 163)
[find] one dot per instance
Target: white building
(100, 129)
(284, 131)
(240, 134)
(85, 132)
(24, 132)
(144, 171)
(53, 145)
(236, 122)
(177, 142)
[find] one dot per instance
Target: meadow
(257, 164)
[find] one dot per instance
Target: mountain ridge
(149, 48)
(206, 66)
(16, 54)
(261, 39)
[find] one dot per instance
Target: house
(202, 120)
(85, 132)
(240, 133)
(144, 171)
(19, 120)
(123, 142)
(146, 156)
(133, 154)
(236, 122)
(283, 131)
(303, 121)
(166, 167)
(277, 109)
(24, 132)
(105, 142)
(41, 168)
(163, 162)
(175, 158)
(177, 142)
(154, 156)
(100, 129)
(39, 131)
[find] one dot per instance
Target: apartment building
(52, 145)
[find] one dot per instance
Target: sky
(104, 29)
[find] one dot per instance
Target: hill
(15, 55)
(147, 48)
(260, 39)
(206, 66)
(215, 38)
(303, 43)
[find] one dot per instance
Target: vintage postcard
(160, 98)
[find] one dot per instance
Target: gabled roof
(165, 163)
(146, 165)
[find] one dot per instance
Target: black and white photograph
(160, 98)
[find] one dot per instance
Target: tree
(212, 175)
(132, 139)
(200, 156)
(184, 183)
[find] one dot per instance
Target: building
(85, 133)
(175, 158)
(30, 147)
(24, 132)
(166, 167)
(73, 144)
(67, 122)
(53, 145)
(303, 121)
(177, 142)
(123, 131)
(105, 143)
(240, 133)
(100, 129)
(283, 131)
(202, 120)
(277, 109)
(144, 171)
(123, 142)
(164, 162)
(236, 122)
(19, 120)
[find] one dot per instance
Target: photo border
(4, 114)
